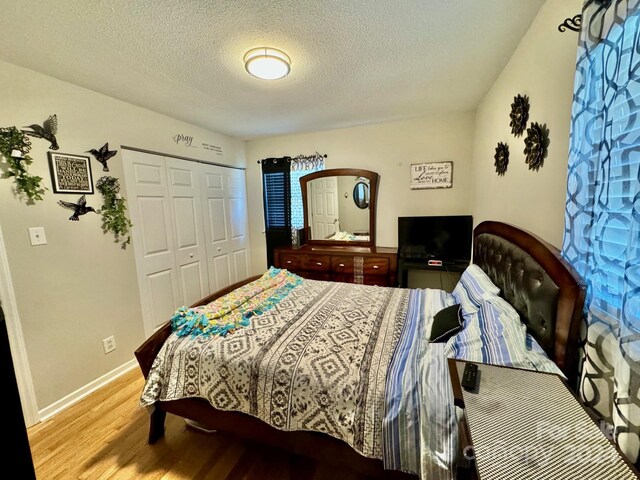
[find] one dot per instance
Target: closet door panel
(238, 218)
(217, 226)
(153, 238)
(185, 195)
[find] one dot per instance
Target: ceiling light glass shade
(267, 63)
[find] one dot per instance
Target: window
(602, 234)
(283, 209)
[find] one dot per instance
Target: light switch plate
(37, 236)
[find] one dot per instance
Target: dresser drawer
(290, 262)
(342, 265)
(370, 265)
(316, 263)
(376, 266)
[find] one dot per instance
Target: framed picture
(431, 175)
(70, 173)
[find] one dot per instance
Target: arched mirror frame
(373, 178)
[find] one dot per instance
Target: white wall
(81, 287)
(542, 67)
(389, 149)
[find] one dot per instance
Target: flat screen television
(445, 238)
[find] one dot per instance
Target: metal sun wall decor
(519, 114)
(102, 155)
(79, 208)
(501, 158)
(536, 145)
(46, 131)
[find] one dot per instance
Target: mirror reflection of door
(324, 211)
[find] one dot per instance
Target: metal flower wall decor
(536, 145)
(519, 114)
(501, 158)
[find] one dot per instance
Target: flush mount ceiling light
(267, 63)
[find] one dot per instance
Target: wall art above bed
(536, 145)
(519, 114)
(501, 158)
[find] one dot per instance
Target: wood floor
(104, 436)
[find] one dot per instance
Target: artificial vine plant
(26, 185)
(114, 210)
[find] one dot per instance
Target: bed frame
(547, 293)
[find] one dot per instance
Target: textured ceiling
(353, 61)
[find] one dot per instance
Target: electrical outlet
(109, 344)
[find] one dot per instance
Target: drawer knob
(318, 263)
(288, 261)
(341, 265)
(376, 266)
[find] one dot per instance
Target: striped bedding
(352, 361)
(420, 424)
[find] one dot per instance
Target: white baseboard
(79, 394)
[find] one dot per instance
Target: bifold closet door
(226, 225)
(189, 231)
(153, 237)
(185, 196)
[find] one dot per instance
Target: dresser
(363, 265)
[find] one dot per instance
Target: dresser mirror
(340, 206)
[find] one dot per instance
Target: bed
(355, 423)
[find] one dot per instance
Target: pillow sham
(446, 323)
(473, 287)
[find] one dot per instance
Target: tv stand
(406, 264)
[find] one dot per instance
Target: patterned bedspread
(317, 361)
(351, 361)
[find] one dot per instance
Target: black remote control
(469, 376)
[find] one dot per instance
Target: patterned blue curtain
(300, 166)
(602, 230)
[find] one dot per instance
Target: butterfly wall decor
(103, 155)
(47, 131)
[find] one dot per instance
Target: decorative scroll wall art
(46, 131)
(519, 114)
(536, 145)
(70, 173)
(501, 158)
(431, 175)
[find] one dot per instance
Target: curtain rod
(299, 157)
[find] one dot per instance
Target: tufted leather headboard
(542, 287)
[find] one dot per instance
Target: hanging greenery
(114, 210)
(15, 147)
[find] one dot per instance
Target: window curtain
(276, 188)
(301, 166)
(602, 220)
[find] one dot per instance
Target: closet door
(189, 231)
(225, 225)
(185, 197)
(153, 237)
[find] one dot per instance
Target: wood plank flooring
(104, 436)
